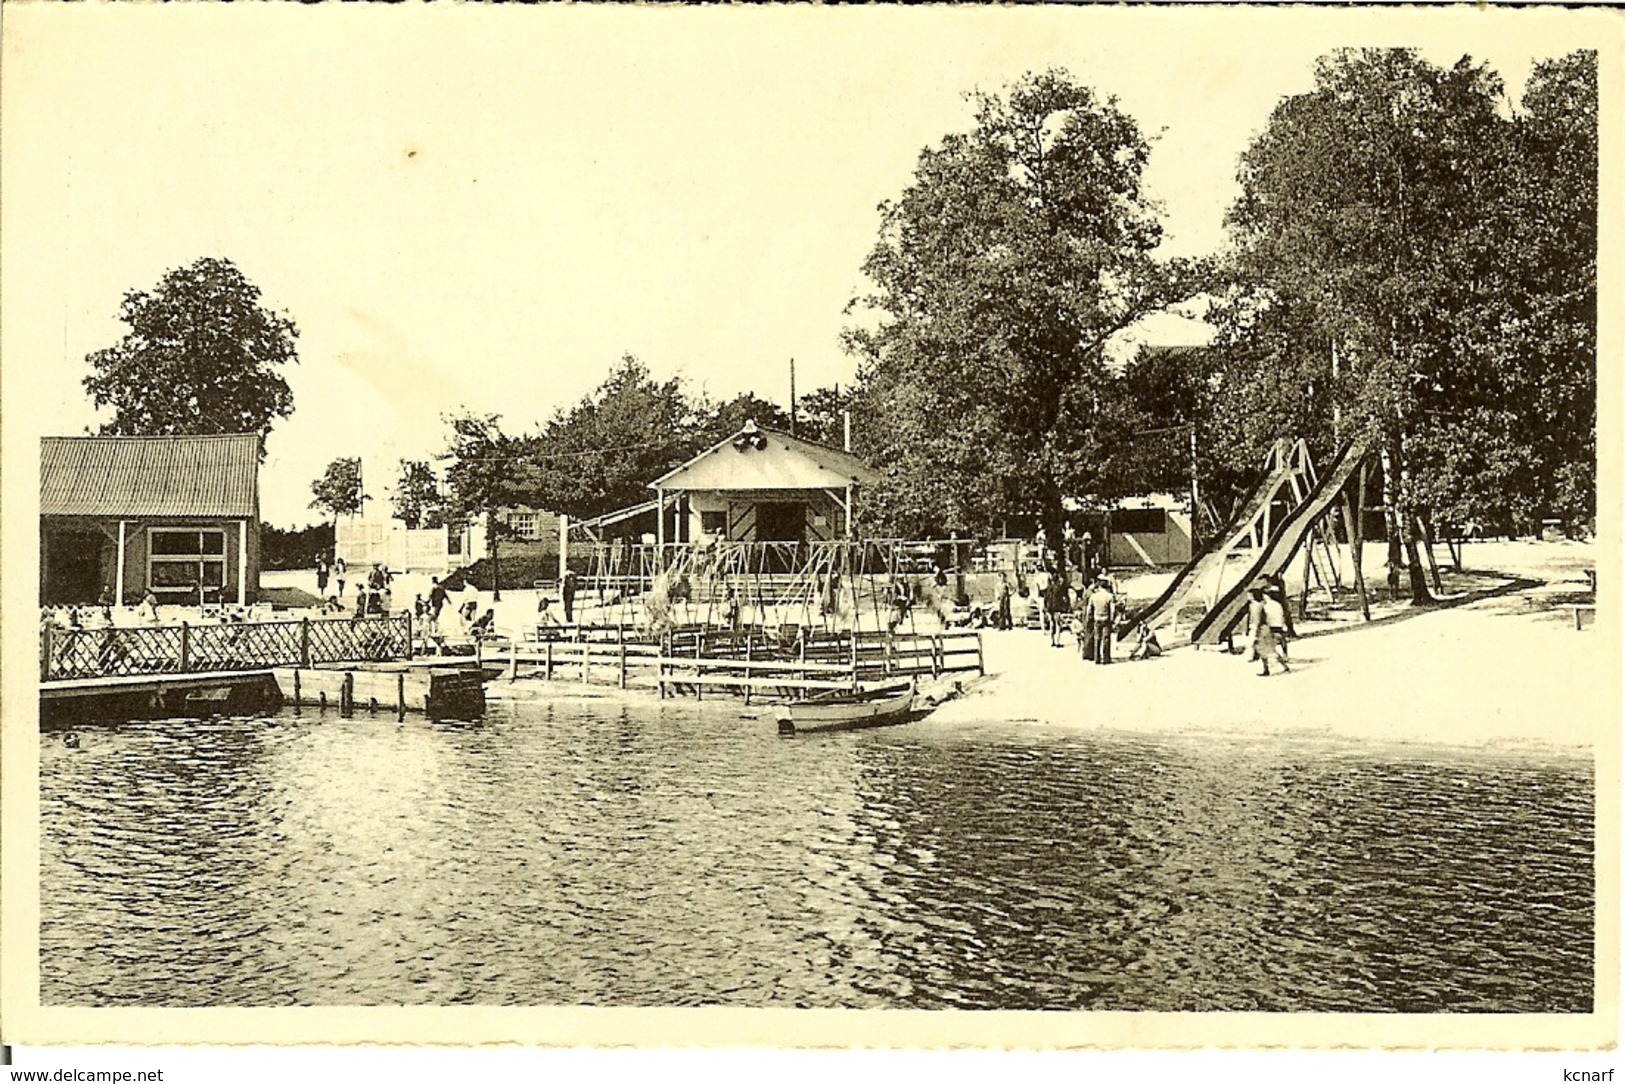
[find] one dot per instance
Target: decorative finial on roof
(750, 437)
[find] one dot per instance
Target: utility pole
(792, 397)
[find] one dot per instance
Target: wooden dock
(83, 701)
(440, 689)
(745, 663)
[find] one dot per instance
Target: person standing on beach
(437, 601)
(339, 569)
(1103, 618)
(567, 591)
(1056, 605)
(1002, 619)
(321, 575)
(1258, 622)
(1277, 614)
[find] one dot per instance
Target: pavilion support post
(118, 569)
(660, 528)
(242, 562)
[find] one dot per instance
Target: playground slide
(1173, 596)
(1280, 550)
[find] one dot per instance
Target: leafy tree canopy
(417, 500)
(1416, 261)
(1019, 249)
(201, 356)
(601, 454)
(338, 491)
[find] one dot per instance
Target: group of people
(1268, 625)
(1093, 613)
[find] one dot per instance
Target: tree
(201, 356)
(1413, 264)
(601, 454)
(820, 416)
(1364, 237)
(490, 470)
(726, 419)
(338, 490)
(1019, 249)
(417, 501)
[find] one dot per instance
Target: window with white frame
(181, 558)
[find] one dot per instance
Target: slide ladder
(1249, 525)
(1284, 544)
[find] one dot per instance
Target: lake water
(679, 855)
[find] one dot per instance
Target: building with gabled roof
(761, 485)
(172, 514)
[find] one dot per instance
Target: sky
(484, 208)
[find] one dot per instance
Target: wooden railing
(187, 648)
(746, 661)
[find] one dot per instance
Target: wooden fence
(747, 661)
(185, 648)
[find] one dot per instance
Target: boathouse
(761, 485)
(168, 513)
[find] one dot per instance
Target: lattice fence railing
(173, 649)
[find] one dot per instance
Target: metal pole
(1195, 496)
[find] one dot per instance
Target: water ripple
(682, 856)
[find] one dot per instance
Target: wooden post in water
(347, 695)
(298, 694)
(586, 660)
(623, 662)
(400, 695)
(186, 647)
(549, 663)
(749, 671)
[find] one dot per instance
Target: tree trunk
(1353, 512)
(1401, 540)
(1424, 524)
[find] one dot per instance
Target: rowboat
(844, 710)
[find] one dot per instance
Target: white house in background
(376, 537)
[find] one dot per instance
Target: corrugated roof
(785, 462)
(150, 476)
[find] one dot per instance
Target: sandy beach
(1499, 664)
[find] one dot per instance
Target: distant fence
(184, 648)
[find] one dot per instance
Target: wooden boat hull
(847, 711)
